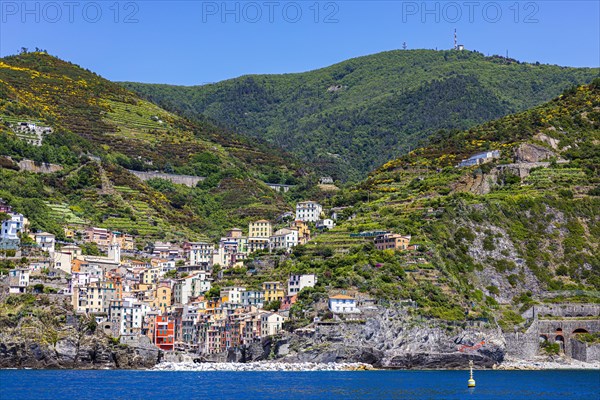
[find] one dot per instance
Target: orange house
(392, 241)
(164, 333)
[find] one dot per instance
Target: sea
(216, 385)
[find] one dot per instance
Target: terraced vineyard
(63, 213)
(547, 178)
(138, 120)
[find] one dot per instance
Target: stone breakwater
(261, 366)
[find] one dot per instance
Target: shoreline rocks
(544, 364)
(261, 366)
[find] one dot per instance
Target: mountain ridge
(351, 117)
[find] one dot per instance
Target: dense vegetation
(349, 118)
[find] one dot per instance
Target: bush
(493, 290)
(510, 319)
(591, 338)
(550, 348)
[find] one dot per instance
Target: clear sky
(195, 42)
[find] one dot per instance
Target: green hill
(494, 238)
(100, 130)
(351, 117)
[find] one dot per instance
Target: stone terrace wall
(188, 180)
(565, 310)
(38, 168)
(522, 345)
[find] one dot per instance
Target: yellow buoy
(471, 381)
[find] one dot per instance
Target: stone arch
(559, 329)
(560, 339)
(543, 338)
(580, 330)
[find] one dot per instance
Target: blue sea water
(132, 385)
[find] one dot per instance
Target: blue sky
(194, 42)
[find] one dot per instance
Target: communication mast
(455, 40)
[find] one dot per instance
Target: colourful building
(273, 291)
(260, 229)
(164, 333)
(392, 241)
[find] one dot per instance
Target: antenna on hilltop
(455, 40)
(404, 46)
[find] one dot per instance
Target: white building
(254, 298)
(46, 241)
(18, 280)
(132, 316)
(298, 282)
(308, 211)
(284, 239)
(233, 294)
(191, 286)
(63, 258)
(197, 253)
(271, 323)
(229, 254)
(12, 226)
(325, 224)
(342, 304)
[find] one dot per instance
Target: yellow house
(69, 232)
(303, 231)
(260, 229)
(162, 297)
(273, 291)
(150, 276)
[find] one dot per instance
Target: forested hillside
(351, 117)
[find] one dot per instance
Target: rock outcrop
(94, 353)
(532, 153)
(390, 338)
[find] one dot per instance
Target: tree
(273, 305)
(214, 292)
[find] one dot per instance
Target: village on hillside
(164, 294)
